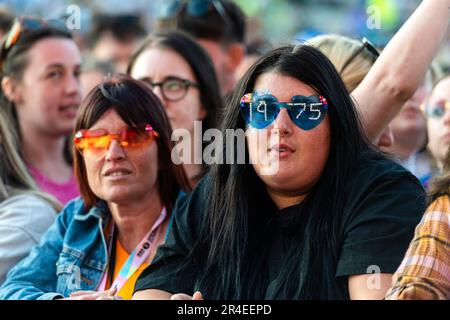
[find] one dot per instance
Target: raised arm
(402, 66)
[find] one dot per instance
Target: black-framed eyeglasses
(173, 88)
(366, 45)
(23, 24)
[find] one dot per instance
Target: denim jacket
(71, 256)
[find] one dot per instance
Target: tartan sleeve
(425, 270)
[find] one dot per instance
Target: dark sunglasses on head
(195, 8)
(24, 24)
(259, 111)
(365, 45)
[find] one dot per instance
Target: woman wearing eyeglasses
(40, 91)
(101, 242)
(182, 75)
(437, 110)
(312, 214)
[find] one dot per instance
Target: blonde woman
(405, 136)
(25, 212)
(399, 70)
(352, 59)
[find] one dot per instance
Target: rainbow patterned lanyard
(137, 257)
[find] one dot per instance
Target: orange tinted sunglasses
(131, 138)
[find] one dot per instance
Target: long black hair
(239, 206)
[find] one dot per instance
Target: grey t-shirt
(23, 220)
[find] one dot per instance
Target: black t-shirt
(383, 204)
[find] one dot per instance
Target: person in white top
(25, 212)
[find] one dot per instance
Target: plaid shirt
(425, 270)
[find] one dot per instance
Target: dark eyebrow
(174, 78)
(149, 80)
(61, 66)
(55, 65)
(145, 79)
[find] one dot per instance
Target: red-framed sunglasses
(131, 138)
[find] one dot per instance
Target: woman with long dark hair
(182, 75)
(313, 214)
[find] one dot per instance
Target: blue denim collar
(100, 211)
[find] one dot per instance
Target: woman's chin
(118, 195)
(277, 176)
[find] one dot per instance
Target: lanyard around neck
(136, 258)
